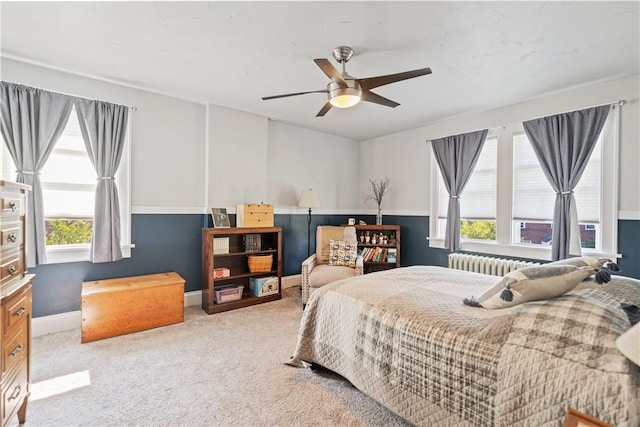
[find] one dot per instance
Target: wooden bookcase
(236, 260)
(392, 234)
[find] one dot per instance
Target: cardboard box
(254, 215)
(220, 245)
(262, 286)
(220, 273)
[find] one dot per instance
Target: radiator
(486, 265)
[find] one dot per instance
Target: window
(523, 200)
(534, 199)
(478, 200)
(68, 185)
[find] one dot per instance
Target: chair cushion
(324, 273)
(343, 253)
(326, 233)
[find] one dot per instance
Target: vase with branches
(376, 191)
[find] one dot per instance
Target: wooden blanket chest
(130, 304)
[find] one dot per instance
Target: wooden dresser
(15, 304)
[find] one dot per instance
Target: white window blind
(68, 177)
(478, 200)
(533, 197)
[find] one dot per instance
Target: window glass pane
(479, 230)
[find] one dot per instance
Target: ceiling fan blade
(377, 99)
(331, 71)
(373, 82)
(324, 109)
(265, 98)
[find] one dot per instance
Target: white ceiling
(483, 55)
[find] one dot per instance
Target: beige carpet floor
(226, 369)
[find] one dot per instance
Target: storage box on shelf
(246, 260)
(254, 215)
(379, 246)
(15, 305)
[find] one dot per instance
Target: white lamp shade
(629, 344)
(309, 199)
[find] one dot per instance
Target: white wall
(167, 149)
(300, 159)
(405, 157)
(237, 158)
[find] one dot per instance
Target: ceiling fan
(345, 91)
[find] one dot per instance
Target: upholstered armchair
(316, 269)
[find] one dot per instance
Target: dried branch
(377, 189)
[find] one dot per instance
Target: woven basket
(260, 263)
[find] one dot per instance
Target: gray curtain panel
(103, 126)
(563, 145)
(32, 120)
(457, 156)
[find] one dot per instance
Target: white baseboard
(73, 319)
(291, 281)
(56, 323)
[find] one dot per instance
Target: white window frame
(503, 244)
(77, 253)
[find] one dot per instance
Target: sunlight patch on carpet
(59, 385)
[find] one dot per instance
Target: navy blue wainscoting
(163, 242)
(629, 247)
(167, 242)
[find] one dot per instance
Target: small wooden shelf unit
(236, 260)
(392, 232)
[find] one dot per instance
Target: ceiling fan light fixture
(345, 97)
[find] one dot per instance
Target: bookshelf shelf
(378, 244)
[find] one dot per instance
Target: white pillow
(531, 284)
(582, 262)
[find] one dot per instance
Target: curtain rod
(132, 107)
(620, 102)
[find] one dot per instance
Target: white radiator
(486, 265)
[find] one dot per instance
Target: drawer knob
(16, 351)
(16, 393)
(12, 269)
(19, 312)
(13, 206)
(12, 237)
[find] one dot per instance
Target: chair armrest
(307, 266)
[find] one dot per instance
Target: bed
(404, 338)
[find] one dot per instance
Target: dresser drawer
(11, 268)
(11, 203)
(15, 350)
(10, 235)
(16, 311)
(14, 392)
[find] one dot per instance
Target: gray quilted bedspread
(404, 337)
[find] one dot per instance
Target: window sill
(77, 253)
(515, 251)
